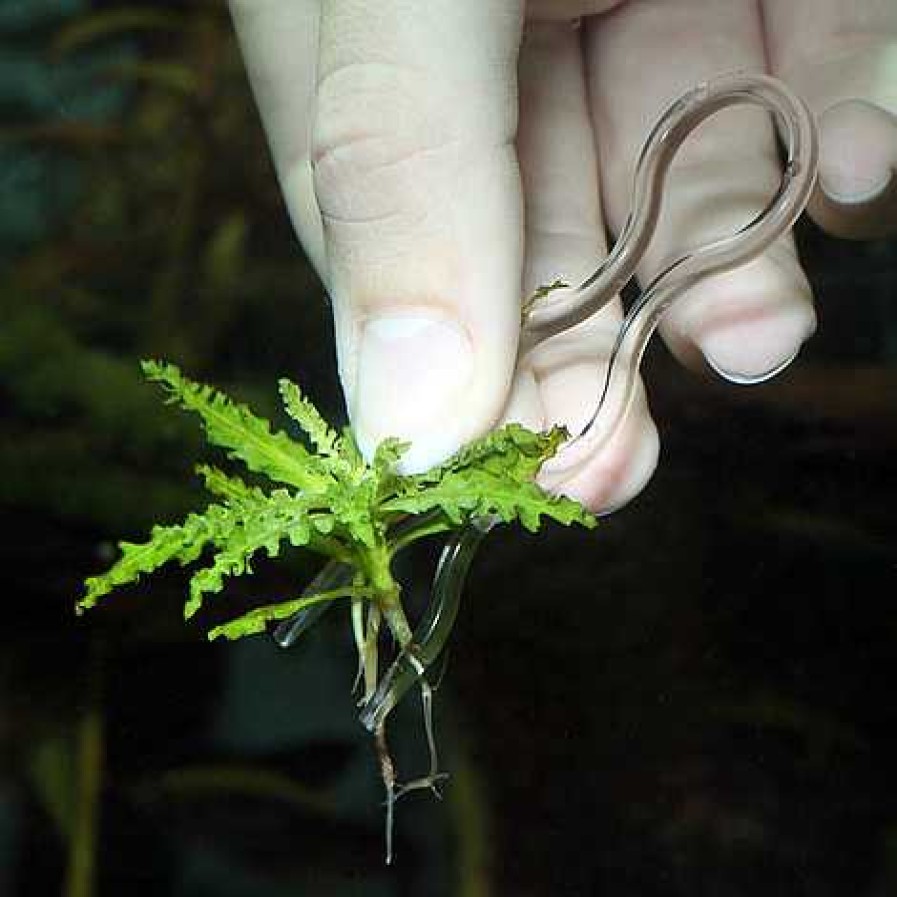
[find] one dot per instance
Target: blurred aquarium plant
(143, 218)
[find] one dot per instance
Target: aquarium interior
(695, 698)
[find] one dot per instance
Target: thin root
(424, 783)
(358, 633)
(426, 699)
(432, 780)
(433, 777)
(388, 774)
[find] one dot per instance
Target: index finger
(279, 41)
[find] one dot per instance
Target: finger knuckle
(377, 140)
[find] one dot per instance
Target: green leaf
(482, 493)
(231, 489)
(259, 522)
(513, 448)
(247, 437)
(257, 620)
(492, 476)
(322, 437)
(183, 542)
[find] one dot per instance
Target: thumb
(416, 180)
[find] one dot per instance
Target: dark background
(697, 698)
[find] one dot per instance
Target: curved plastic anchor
(565, 308)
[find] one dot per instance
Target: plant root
(388, 775)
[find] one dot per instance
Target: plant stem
(412, 529)
(388, 775)
(387, 592)
(395, 618)
(369, 657)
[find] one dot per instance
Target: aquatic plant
(320, 494)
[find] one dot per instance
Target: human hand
(429, 210)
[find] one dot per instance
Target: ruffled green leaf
(474, 492)
(514, 449)
(183, 543)
(258, 522)
(322, 437)
(246, 437)
(230, 488)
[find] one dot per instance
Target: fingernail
(853, 187)
(752, 351)
(856, 151)
(749, 324)
(642, 464)
(612, 474)
(414, 369)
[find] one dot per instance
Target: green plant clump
(322, 495)
(325, 497)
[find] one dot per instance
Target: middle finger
(559, 382)
(748, 322)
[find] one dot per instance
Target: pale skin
(441, 159)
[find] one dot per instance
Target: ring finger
(559, 381)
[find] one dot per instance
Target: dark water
(697, 698)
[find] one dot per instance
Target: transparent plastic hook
(547, 319)
(565, 308)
